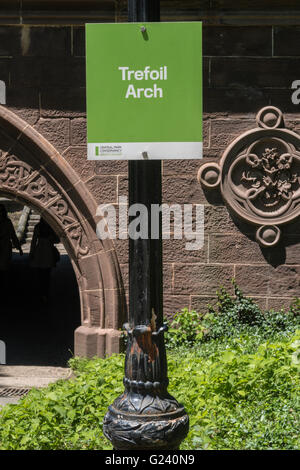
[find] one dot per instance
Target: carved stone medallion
(259, 176)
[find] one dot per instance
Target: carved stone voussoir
(21, 178)
(259, 176)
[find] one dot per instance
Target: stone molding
(34, 173)
(259, 176)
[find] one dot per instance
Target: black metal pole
(145, 416)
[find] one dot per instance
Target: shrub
(241, 400)
(185, 329)
(295, 307)
(232, 316)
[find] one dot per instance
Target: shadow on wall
(285, 252)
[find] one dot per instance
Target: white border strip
(145, 151)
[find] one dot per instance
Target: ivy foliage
(232, 316)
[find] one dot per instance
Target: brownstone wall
(251, 57)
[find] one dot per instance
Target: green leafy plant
(185, 329)
(235, 399)
(295, 307)
(236, 370)
(232, 316)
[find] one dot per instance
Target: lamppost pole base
(129, 431)
(145, 416)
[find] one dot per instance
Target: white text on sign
(146, 74)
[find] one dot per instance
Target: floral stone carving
(259, 176)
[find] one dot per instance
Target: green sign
(144, 90)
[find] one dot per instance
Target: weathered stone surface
(292, 123)
(201, 303)
(238, 249)
(103, 188)
(10, 43)
(279, 303)
(180, 167)
(289, 250)
(261, 302)
(122, 249)
(217, 220)
(284, 281)
(88, 269)
(118, 167)
(168, 278)
(267, 280)
(286, 40)
(237, 41)
(24, 102)
(206, 133)
(174, 251)
(78, 131)
(260, 5)
(63, 102)
(174, 304)
(77, 158)
(122, 185)
(78, 41)
(281, 98)
(57, 131)
(5, 67)
(252, 280)
(224, 131)
(205, 72)
(257, 72)
(125, 275)
(10, 13)
(52, 72)
(45, 41)
(86, 341)
(182, 190)
(293, 229)
(94, 298)
(66, 12)
(201, 278)
(236, 97)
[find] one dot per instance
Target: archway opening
(35, 331)
(33, 172)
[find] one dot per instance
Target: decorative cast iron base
(128, 431)
(146, 416)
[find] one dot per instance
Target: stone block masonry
(251, 58)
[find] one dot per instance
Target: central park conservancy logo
(146, 74)
(103, 150)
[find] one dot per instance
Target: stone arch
(32, 171)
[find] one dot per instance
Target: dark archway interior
(35, 332)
